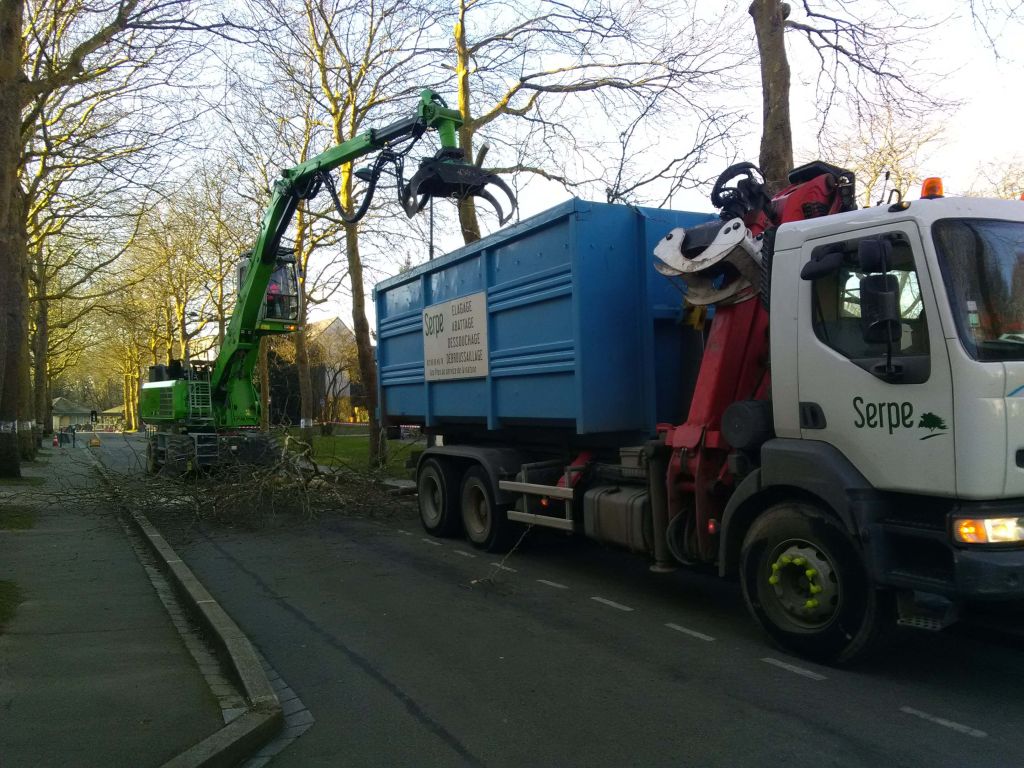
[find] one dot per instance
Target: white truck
(852, 446)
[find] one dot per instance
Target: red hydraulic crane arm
(735, 364)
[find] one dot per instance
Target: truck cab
(925, 459)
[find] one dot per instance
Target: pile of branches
(281, 484)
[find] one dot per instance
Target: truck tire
(486, 523)
(806, 584)
(436, 486)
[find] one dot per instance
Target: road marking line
(404, 533)
(959, 727)
(431, 542)
(464, 554)
(554, 584)
(504, 567)
(612, 603)
(691, 633)
(794, 669)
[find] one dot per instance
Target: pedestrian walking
(74, 431)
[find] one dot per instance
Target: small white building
(67, 412)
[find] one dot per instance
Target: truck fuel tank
(618, 515)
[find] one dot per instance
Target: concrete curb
(247, 733)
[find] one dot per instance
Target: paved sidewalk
(92, 672)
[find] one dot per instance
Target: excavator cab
(280, 310)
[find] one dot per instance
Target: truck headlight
(989, 530)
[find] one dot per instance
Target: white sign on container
(455, 339)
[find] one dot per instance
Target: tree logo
(931, 422)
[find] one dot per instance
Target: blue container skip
(560, 321)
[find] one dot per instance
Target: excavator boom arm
(238, 353)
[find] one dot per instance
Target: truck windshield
(983, 265)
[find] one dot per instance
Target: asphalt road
(410, 651)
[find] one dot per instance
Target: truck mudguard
(813, 467)
(498, 462)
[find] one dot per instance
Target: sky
(985, 127)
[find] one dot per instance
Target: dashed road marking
(501, 567)
(431, 542)
(404, 533)
(611, 603)
(554, 584)
(959, 727)
(691, 632)
(794, 669)
(463, 553)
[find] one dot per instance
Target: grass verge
(10, 599)
(22, 481)
(351, 449)
(16, 518)
(354, 452)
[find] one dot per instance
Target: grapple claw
(494, 203)
(447, 174)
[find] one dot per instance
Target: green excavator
(201, 413)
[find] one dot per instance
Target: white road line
(431, 542)
(404, 533)
(611, 603)
(691, 633)
(463, 553)
(959, 727)
(504, 567)
(554, 584)
(794, 669)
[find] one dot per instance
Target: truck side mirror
(880, 309)
(874, 255)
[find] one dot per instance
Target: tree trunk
(136, 421)
(13, 246)
(40, 349)
(27, 444)
(468, 221)
(364, 347)
(126, 393)
(301, 348)
(264, 373)
(776, 133)
(305, 380)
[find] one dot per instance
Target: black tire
(179, 456)
(437, 495)
(834, 616)
(486, 523)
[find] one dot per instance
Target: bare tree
(1002, 179)
(132, 30)
(882, 151)
(994, 19)
(538, 77)
(865, 52)
(348, 66)
(644, 173)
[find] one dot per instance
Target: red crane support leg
(734, 367)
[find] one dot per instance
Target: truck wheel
(805, 583)
(435, 487)
(485, 522)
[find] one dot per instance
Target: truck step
(928, 612)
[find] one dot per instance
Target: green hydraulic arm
(446, 174)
